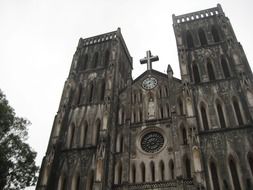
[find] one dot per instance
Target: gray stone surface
(197, 130)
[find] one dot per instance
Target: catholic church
(156, 132)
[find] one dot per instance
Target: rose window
(152, 142)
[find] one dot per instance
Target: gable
(162, 80)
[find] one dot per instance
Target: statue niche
(151, 106)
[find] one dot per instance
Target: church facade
(156, 132)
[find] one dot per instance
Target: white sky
(39, 37)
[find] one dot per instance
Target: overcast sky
(39, 37)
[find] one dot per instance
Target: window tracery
(152, 142)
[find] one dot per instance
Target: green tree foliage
(17, 160)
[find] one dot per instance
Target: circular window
(152, 142)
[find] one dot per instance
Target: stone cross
(149, 59)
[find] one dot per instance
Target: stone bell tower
(79, 153)
(215, 69)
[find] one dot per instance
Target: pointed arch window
(162, 170)
(85, 63)
(184, 135)
(171, 167)
(90, 181)
(168, 110)
(79, 94)
(225, 184)
(106, 58)
(133, 173)
(196, 73)
(210, 70)
(220, 115)
(161, 111)
(234, 174)
(215, 179)
(120, 174)
(143, 172)
(248, 183)
(95, 60)
(188, 167)
(225, 68)
(72, 136)
(152, 171)
(64, 183)
(202, 37)
(189, 39)
(122, 117)
(166, 91)
(134, 99)
(102, 93)
(96, 132)
(140, 116)
(82, 62)
(134, 117)
(121, 143)
(250, 161)
(180, 106)
(204, 117)
(161, 92)
(215, 33)
(85, 133)
(91, 93)
(140, 97)
(237, 111)
(77, 185)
